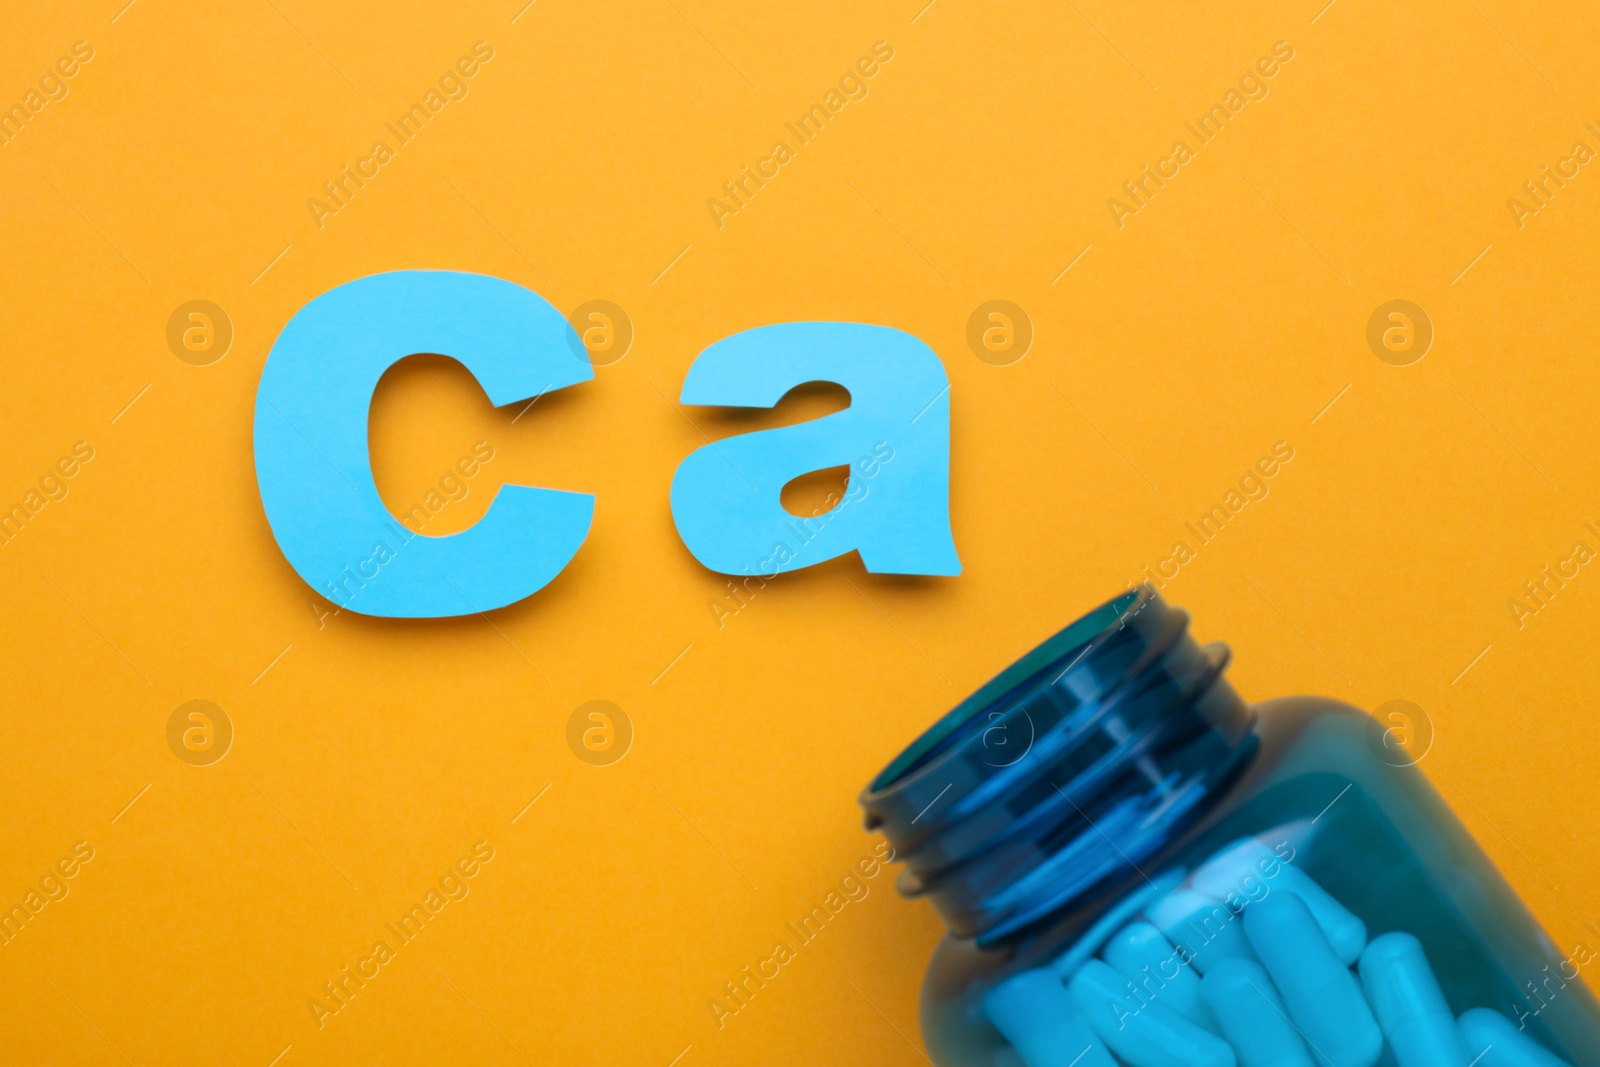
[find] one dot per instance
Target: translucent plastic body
(1329, 909)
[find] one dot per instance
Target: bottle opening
(967, 717)
(1058, 776)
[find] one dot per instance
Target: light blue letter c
(311, 443)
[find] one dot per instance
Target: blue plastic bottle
(1139, 868)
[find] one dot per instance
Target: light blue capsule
(1495, 1042)
(1411, 1009)
(1231, 873)
(1204, 928)
(1252, 1015)
(1158, 973)
(1321, 993)
(1035, 1013)
(1142, 1034)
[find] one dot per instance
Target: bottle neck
(1063, 773)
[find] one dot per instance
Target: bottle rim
(1127, 732)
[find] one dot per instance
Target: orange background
(370, 755)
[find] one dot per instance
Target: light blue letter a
(894, 436)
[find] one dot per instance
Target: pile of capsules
(1267, 984)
